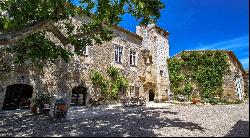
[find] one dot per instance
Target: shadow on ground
(240, 129)
(139, 123)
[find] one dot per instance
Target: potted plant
(34, 104)
(39, 102)
(164, 98)
(195, 99)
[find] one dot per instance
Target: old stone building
(140, 56)
(233, 83)
(246, 83)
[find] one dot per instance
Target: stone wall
(229, 81)
(59, 78)
(156, 42)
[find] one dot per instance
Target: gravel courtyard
(155, 120)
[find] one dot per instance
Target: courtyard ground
(156, 119)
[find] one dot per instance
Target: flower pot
(195, 100)
(164, 98)
(62, 107)
(34, 109)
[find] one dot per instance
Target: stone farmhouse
(140, 56)
(233, 83)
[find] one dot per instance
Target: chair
(60, 109)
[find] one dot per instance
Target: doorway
(17, 97)
(78, 97)
(151, 95)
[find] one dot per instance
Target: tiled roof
(128, 32)
(160, 29)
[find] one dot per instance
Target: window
(137, 91)
(144, 32)
(131, 92)
(132, 60)
(118, 54)
(155, 39)
(161, 73)
(134, 91)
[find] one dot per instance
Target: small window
(118, 54)
(137, 91)
(155, 38)
(161, 73)
(132, 58)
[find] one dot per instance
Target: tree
(25, 23)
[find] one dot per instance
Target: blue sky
(204, 24)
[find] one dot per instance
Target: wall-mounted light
(22, 79)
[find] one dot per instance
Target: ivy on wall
(203, 70)
(110, 85)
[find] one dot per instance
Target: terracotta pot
(195, 100)
(61, 107)
(164, 98)
(34, 109)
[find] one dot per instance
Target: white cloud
(238, 45)
(232, 44)
(244, 62)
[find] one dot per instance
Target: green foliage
(40, 99)
(113, 72)
(96, 77)
(19, 14)
(109, 87)
(206, 68)
(188, 89)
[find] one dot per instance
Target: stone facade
(246, 83)
(59, 78)
(155, 40)
(233, 83)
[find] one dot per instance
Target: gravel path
(155, 120)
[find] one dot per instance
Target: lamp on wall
(22, 79)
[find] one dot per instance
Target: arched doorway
(151, 95)
(17, 97)
(78, 97)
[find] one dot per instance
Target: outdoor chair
(60, 110)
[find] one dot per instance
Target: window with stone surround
(118, 54)
(132, 58)
(134, 91)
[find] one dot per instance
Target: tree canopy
(24, 24)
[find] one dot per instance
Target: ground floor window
(134, 91)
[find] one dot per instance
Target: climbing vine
(204, 70)
(110, 85)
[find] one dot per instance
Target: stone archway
(151, 95)
(17, 96)
(79, 95)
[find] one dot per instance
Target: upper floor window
(132, 59)
(118, 54)
(161, 73)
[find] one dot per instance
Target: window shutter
(130, 58)
(136, 58)
(116, 54)
(87, 50)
